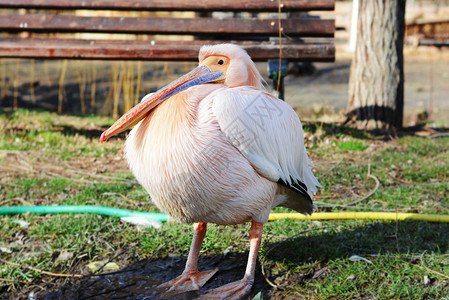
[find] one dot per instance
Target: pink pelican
(215, 147)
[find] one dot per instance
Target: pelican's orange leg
(239, 289)
(191, 279)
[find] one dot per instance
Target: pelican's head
(231, 59)
(226, 64)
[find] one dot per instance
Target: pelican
(215, 147)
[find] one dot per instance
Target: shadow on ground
(87, 132)
(330, 130)
(138, 280)
(333, 130)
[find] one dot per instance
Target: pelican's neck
(181, 110)
(175, 118)
(174, 114)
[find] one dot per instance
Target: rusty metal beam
(145, 50)
(193, 26)
(173, 5)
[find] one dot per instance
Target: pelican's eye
(220, 62)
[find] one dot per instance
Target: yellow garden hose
(361, 215)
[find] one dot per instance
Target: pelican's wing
(268, 132)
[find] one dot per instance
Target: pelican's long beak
(199, 75)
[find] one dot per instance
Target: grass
(47, 159)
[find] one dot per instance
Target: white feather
(267, 131)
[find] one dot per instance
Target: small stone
(351, 277)
(227, 250)
(22, 224)
(65, 255)
(317, 223)
(5, 250)
(102, 266)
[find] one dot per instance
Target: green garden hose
(81, 209)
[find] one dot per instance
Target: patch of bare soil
(139, 280)
(18, 163)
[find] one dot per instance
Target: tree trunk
(376, 83)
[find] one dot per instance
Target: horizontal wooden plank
(194, 26)
(152, 50)
(173, 5)
(431, 29)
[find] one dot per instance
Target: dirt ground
(140, 280)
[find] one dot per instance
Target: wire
(280, 46)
